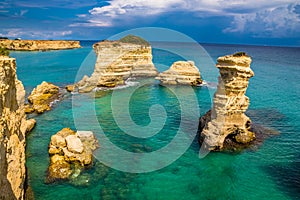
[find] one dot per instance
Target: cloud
(35, 34)
(282, 21)
(261, 18)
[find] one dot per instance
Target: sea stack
(181, 72)
(13, 126)
(130, 56)
(227, 119)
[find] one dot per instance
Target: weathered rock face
(69, 152)
(116, 62)
(41, 97)
(12, 132)
(181, 72)
(36, 45)
(227, 119)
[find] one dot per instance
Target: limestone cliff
(116, 62)
(12, 132)
(181, 72)
(38, 45)
(227, 118)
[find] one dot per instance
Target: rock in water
(117, 61)
(30, 124)
(228, 119)
(69, 152)
(12, 132)
(41, 97)
(181, 72)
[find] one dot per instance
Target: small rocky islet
(117, 61)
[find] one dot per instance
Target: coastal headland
(38, 45)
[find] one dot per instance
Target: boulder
(69, 152)
(30, 124)
(41, 97)
(74, 144)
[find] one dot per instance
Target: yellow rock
(67, 149)
(116, 62)
(228, 117)
(12, 131)
(41, 97)
(181, 72)
(38, 45)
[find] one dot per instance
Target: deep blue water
(270, 172)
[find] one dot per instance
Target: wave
(210, 85)
(128, 83)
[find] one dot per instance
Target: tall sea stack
(130, 56)
(227, 119)
(12, 132)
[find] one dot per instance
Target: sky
(257, 22)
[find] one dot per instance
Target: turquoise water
(270, 172)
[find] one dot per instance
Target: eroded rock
(12, 132)
(117, 61)
(227, 119)
(41, 98)
(181, 72)
(30, 123)
(69, 152)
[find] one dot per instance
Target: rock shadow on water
(264, 125)
(286, 176)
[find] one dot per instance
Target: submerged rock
(117, 61)
(227, 119)
(41, 98)
(181, 72)
(69, 152)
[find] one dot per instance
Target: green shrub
(134, 40)
(4, 52)
(240, 54)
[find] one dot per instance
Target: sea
(147, 132)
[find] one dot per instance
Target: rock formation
(38, 45)
(13, 126)
(69, 152)
(181, 72)
(117, 61)
(227, 119)
(41, 98)
(30, 125)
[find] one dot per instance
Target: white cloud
(28, 34)
(277, 22)
(266, 14)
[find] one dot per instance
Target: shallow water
(270, 172)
